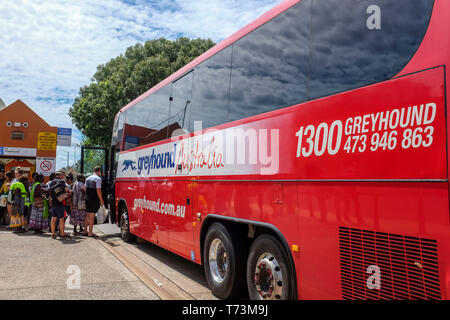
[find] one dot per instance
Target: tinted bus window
(160, 117)
(180, 105)
(118, 130)
(146, 122)
(271, 64)
(356, 43)
(137, 126)
(210, 93)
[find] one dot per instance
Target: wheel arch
(122, 204)
(260, 228)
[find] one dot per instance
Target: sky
(51, 48)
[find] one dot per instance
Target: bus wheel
(223, 262)
(125, 227)
(268, 274)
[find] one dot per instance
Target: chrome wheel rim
(268, 278)
(124, 227)
(218, 261)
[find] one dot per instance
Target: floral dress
(37, 220)
(18, 207)
(78, 214)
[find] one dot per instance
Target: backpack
(58, 191)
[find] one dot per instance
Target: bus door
(179, 216)
(179, 186)
(92, 157)
(111, 178)
(98, 156)
(151, 218)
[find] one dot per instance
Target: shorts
(58, 212)
(92, 205)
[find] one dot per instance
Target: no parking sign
(45, 166)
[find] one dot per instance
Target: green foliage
(125, 78)
(93, 158)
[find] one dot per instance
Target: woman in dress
(19, 198)
(37, 220)
(78, 214)
(4, 191)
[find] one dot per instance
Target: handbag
(101, 215)
(38, 203)
(3, 196)
(45, 213)
(81, 203)
(3, 200)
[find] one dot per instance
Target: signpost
(64, 137)
(17, 152)
(47, 141)
(131, 142)
(45, 166)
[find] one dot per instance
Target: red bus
(304, 157)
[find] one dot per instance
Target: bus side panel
(128, 191)
(404, 209)
(148, 230)
(268, 202)
(179, 219)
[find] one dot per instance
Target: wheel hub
(268, 278)
(218, 261)
(124, 225)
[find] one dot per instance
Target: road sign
(131, 142)
(21, 152)
(64, 137)
(45, 166)
(47, 141)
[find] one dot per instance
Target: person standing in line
(33, 177)
(18, 173)
(49, 201)
(2, 176)
(68, 202)
(94, 200)
(37, 220)
(6, 190)
(78, 214)
(3, 196)
(59, 191)
(35, 183)
(19, 199)
(27, 208)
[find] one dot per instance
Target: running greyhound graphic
(129, 164)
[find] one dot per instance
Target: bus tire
(268, 273)
(224, 262)
(125, 227)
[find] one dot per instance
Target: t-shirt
(93, 183)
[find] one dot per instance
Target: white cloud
(51, 48)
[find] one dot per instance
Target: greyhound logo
(129, 164)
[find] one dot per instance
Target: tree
(125, 78)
